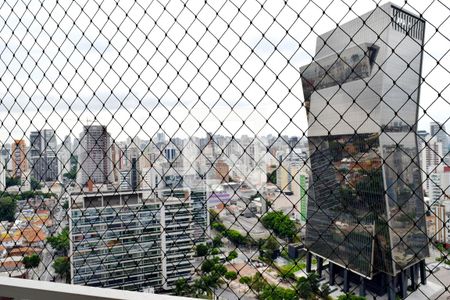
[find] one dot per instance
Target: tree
(219, 269)
(62, 267)
(215, 251)
(201, 250)
(273, 292)
(270, 247)
(213, 216)
(35, 184)
(218, 226)
(31, 261)
(258, 282)
(60, 242)
(234, 236)
(272, 177)
(182, 287)
(280, 223)
(7, 209)
(308, 287)
(217, 241)
(350, 296)
(12, 181)
(245, 280)
(231, 275)
(207, 265)
(232, 255)
(324, 292)
(66, 205)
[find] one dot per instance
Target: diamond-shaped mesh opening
(227, 149)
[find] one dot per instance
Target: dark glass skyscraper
(366, 212)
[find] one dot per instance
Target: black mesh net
(227, 149)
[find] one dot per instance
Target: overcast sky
(171, 65)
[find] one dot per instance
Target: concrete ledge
(33, 289)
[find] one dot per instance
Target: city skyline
(130, 104)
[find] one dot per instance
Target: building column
(413, 276)
(346, 281)
(331, 274)
(308, 261)
(423, 272)
(403, 284)
(391, 287)
(319, 266)
(362, 287)
(416, 268)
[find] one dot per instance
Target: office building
(438, 130)
(200, 215)
(366, 210)
(131, 240)
(439, 184)
(19, 158)
(2, 174)
(65, 158)
(303, 180)
(95, 155)
(440, 224)
(43, 155)
(431, 153)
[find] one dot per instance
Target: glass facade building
(366, 211)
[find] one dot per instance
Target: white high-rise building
(438, 130)
(439, 184)
(439, 230)
(2, 174)
(150, 244)
(431, 156)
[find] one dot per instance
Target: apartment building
(131, 239)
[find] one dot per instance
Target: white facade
(431, 155)
(2, 174)
(150, 244)
(441, 225)
(439, 184)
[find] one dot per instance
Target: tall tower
(366, 214)
(19, 158)
(43, 159)
(2, 174)
(438, 130)
(95, 155)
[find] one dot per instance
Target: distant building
(95, 155)
(150, 244)
(440, 225)
(130, 179)
(303, 180)
(439, 184)
(431, 155)
(220, 171)
(64, 158)
(43, 155)
(200, 215)
(19, 158)
(2, 174)
(438, 130)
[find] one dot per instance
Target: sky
(181, 67)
